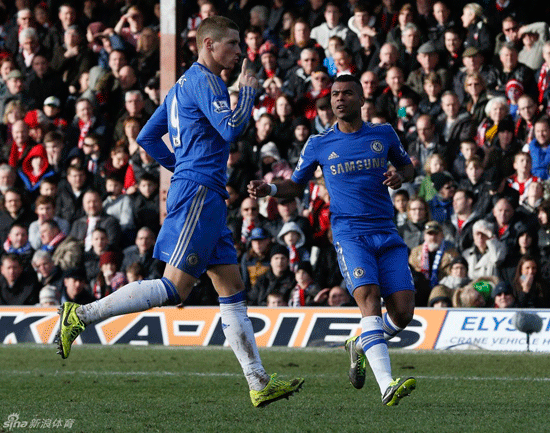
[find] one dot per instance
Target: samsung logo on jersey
(360, 164)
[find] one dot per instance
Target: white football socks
(133, 297)
(376, 350)
(390, 328)
(240, 336)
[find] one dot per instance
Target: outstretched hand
(247, 77)
(258, 188)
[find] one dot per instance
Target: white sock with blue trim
(376, 350)
(238, 331)
(133, 297)
(390, 328)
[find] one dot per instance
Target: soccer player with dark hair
(194, 237)
(372, 256)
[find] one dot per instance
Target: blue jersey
(197, 115)
(353, 167)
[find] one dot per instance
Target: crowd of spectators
(465, 85)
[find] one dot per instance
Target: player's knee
(403, 317)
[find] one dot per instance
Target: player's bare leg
(399, 312)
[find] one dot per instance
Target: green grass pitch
(167, 389)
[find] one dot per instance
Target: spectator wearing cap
(71, 58)
(52, 111)
(511, 69)
(440, 297)
(431, 260)
(332, 27)
(16, 91)
(256, 260)
(306, 289)
(278, 279)
(458, 274)
(76, 287)
(487, 253)
(109, 278)
(503, 296)
(428, 58)
(48, 297)
(473, 61)
(441, 205)
(152, 89)
(17, 287)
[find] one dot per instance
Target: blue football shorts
(194, 235)
(380, 259)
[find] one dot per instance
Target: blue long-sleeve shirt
(197, 116)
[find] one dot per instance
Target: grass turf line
(157, 389)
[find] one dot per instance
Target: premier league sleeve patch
(221, 106)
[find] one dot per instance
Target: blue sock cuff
(233, 299)
(370, 338)
(173, 296)
(388, 328)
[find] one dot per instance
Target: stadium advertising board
(283, 327)
(491, 330)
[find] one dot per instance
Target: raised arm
(214, 103)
